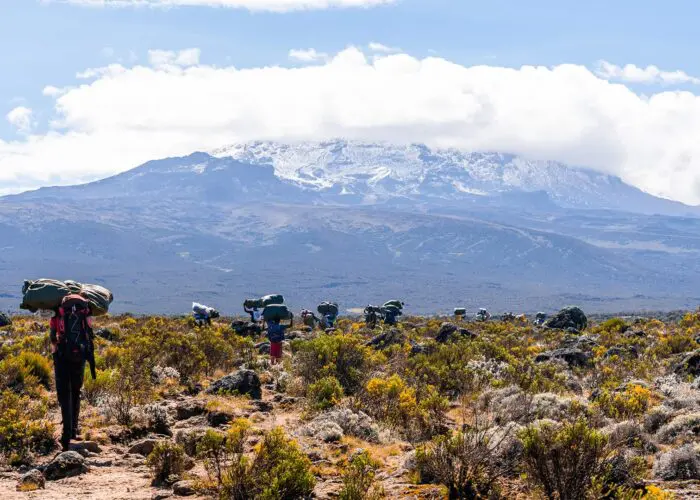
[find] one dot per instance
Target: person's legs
(275, 352)
(61, 372)
(77, 373)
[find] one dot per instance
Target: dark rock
(161, 495)
(572, 357)
(183, 489)
(143, 447)
(622, 352)
(90, 446)
(218, 418)
(417, 348)
(105, 333)
(31, 481)
(189, 409)
(387, 339)
(67, 464)
(193, 390)
(451, 332)
(583, 342)
(241, 382)
(263, 347)
(5, 320)
(189, 439)
(569, 317)
(262, 406)
(690, 365)
(82, 451)
(246, 328)
(100, 463)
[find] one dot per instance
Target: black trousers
(69, 381)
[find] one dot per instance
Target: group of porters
(72, 305)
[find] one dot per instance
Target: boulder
(569, 317)
(622, 352)
(218, 418)
(90, 446)
(31, 481)
(572, 357)
(188, 409)
(583, 342)
(262, 406)
(183, 489)
(387, 339)
(5, 320)
(263, 347)
(105, 333)
(450, 332)
(241, 382)
(143, 447)
(690, 365)
(161, 495)
(67, 464)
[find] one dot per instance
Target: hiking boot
(75, 436)
(65, 444)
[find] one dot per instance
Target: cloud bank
(254, 5)
(649, 75)
(123, 116)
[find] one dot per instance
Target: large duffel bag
(43, 294)
(276, 312)
(253, 304)
(274, 299)
(394, 303)
(99, 297)
(460, 311)
(326, 308)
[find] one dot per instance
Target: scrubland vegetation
(493, 410)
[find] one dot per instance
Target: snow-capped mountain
(383, 170)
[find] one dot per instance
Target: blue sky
(48, 43)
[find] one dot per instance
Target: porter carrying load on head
(274, 315)
(203, 314)
(329, 313)
(253, 308)
(47, 294)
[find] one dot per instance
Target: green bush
(563, 461)
(25, 372)
(167, 462)
(325, 393)
(341, 356)
(277, 469)
(359, 479)
(24, 426)
(95, 390)
(465, 462)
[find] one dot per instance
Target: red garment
(276, 350)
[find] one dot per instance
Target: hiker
(203, 314)
(390, 314)
(329, 313)
(540, 318)
(254, 313)
(483, 315)
(275, 334)
(309, 318)
(371, 316)
(328, 320)
(71, 346)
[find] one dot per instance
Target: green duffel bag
(460, 311)
(74, 286)
(326, 308)
(253, 304)
(43, 294)
(274, 299)
(396, 311)
(99, 297)
(276, 312)
(394, 303)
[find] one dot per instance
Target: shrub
(679, 464)
(633, 402)
(216, 350)
(681, 428)
(130, 386)
(341, 356)
(94, 391)
(325, 393)
(465, 462)
(167, 462)
(395, 403)
(25, 372)
(563, 460)
(359, 479)
(278, 468)
(24, 427)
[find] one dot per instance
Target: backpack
(74, 332)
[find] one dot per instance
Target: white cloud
(187, 57)
(254, 5)
(124, 116)
(378, 47)
(51, 91)
(649, 75)
(307, 55)
(21, 118)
